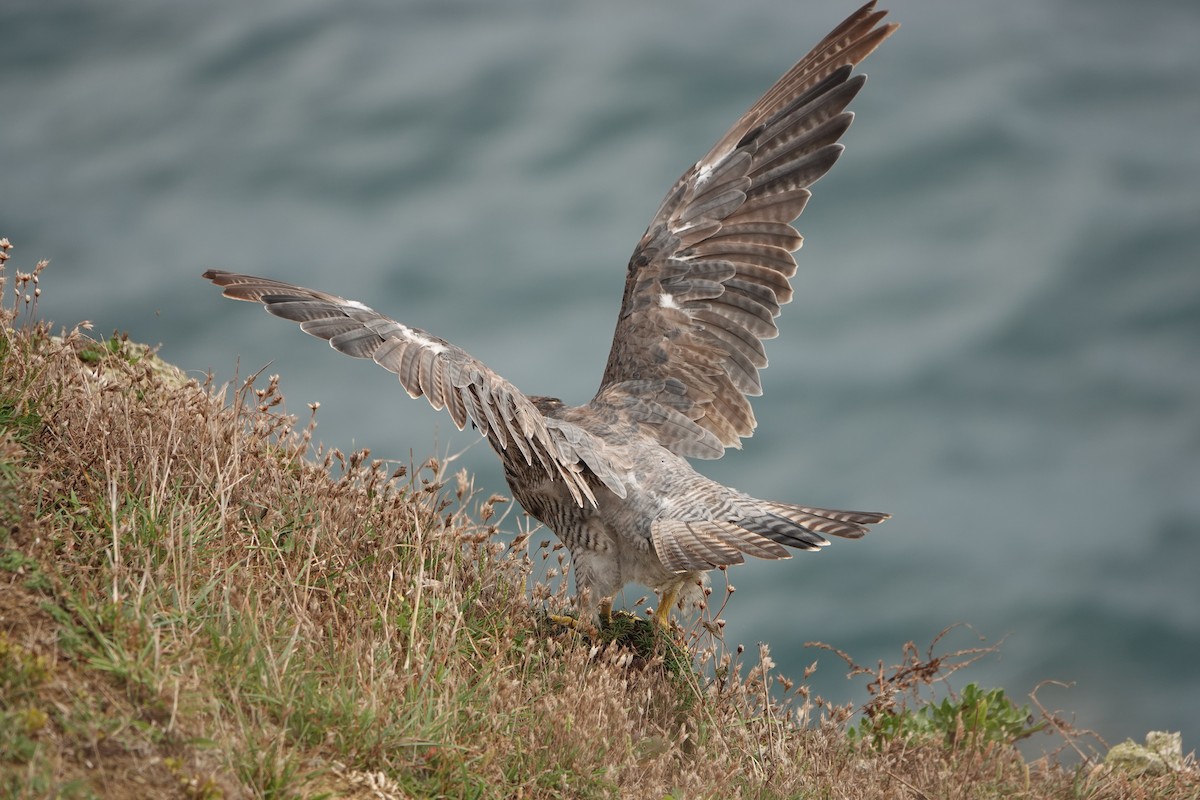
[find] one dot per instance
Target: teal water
(996, 332)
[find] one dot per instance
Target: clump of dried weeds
(196, 601)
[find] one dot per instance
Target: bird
(704, 286)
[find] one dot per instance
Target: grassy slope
(190, 606)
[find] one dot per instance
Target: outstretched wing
(710, 274)
(446, 375)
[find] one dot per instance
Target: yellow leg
(662, 615)
(606, 611)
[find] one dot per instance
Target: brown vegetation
(195, 602)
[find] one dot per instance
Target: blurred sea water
(996, 330)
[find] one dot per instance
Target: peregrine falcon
(703, 288)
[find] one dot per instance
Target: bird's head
(546, 405)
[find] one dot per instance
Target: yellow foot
(578, 625)
(605, 617)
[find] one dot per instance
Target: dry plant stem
(1069, 733)
(198, 600)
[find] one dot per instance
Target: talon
(579, 626)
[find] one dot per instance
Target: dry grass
(195, 603)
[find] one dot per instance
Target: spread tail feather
(700, 545)
(831, 521)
